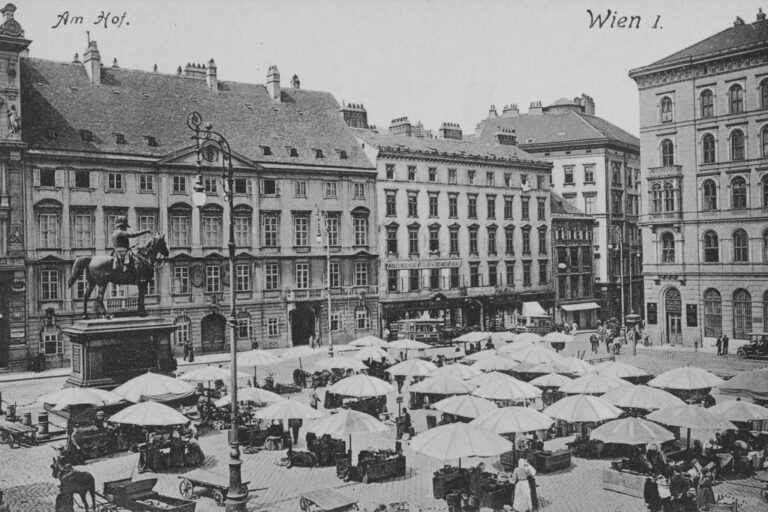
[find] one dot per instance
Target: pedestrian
(719, 345)
(191, 352)
(593, 342)
(311, 341)
(725, 344)
(522, 501)
(607, 339)
(400, 379)
(294, 425)
(574, 328)
(186, 350)
(314, 400)
(385, 333)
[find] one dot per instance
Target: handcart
(326, 500)
(201, 482)
(139, 496)
(16, 434)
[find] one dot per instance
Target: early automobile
(757, 348)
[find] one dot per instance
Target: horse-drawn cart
(201, 482)
(16, 434)
(139, 496)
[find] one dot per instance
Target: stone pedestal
(108, 352)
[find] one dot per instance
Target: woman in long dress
(522, 501)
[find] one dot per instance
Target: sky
(430, 60)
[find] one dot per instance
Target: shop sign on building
(416, 264)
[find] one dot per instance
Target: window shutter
(94, 179)
(60, 175)
(250, 187)
(72, 182)
(36, 177)
(261, 186)
(278, 187)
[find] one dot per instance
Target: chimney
(588, 103)
(114, 63)
(535, 108)
(492, 111)
(417, 130)
(760, 14)
(76, 59)
(210, 76)
(510, 111)
(506, 137)
(273, 83)
(194, 70)
(400, 126)
(450, 131)
(354, 115)
(739, 21)
(92, 61)
(295, 82)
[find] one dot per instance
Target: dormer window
(266, 150)
(342, 154)
(292, 152)
(318, 153)
(50, 133)
(86, 135)
(119, 138)
(151, 141)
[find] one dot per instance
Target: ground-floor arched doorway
(673, 307)
(302, 326)
(213, 333)
(473, 314)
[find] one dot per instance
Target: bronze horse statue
(99, 272)
(73, 482)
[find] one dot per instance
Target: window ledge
(301, 248)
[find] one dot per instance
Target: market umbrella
(690, 416)
(511, 348)
(736, 410)
(288, 409)
(149, 414)
(471, 358)
(509, 389)
(557, 337)
(582, 408)
(535, 355)
(346, 422)
(472, 337)
(210, 373)
(500, 338)
(361, 386)
(578, 366)
(466, 406)
(487, 378)
(369, 341)
(79, 396)
(620, 370)
(495, 363)
(155, 387)
(406, 344)
(340, 363)
(528, 337)
(592, 384)
(412, 368)
(257, 395)
(458, 440)
(548, 367)
(341, 347)
(513, 420)
(299, 352)
(686, 378)
(445, 385)
(370, 354)
(550, 380)
(631, 431)
(456, 370)
(750, 384)
(641, 397)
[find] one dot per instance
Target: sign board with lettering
(76, 356)
(416, 264)
(18, 333)
(691, 315)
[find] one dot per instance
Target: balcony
(666, 171)
(665, 217)
(307, 294)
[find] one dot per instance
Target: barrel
(11, 412)
(26, 419)
(42, 426)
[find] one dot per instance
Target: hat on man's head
(121, 222)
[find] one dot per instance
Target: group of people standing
(722, 345)
(613, 336)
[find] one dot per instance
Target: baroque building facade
(463, 228)
(704, 141)
(103, 141)
(596, 167)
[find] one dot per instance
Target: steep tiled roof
(733, 37)
(464, 148)
(559, 206)
(548, 128)
(138, 104)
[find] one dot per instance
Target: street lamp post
(323, 215)
(619, 235)
(211, 146)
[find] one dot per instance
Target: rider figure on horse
(122, 256)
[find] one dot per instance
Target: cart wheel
(218, 497)
(741, 354)
(6, 438)
(186, 489)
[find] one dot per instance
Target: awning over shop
(533, 309)
(579, 307)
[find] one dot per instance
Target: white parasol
(466, 406)
(361, 386)
(155, 387)
(149, 414)
(412, 368)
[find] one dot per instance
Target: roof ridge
(578, 114)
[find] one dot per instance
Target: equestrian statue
(123, 266)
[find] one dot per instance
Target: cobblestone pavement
(26, 478)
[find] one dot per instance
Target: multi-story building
(573, 273)
(704, 141)
(105, 141)
(463, 227)
(596, 169)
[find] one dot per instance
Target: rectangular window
(413, 241)
(332, 227)
(212, 235)
(390, 202)
(335, 274)
(510, 273)
(542, 240)
(491, 240)
(362, 318)
(471, 177)
(434, 240)
(589, 173)
(391, 239)
(526, 273)
(433, 208)
(273, 328)
(147, 221)
(82, 236)
(490, 179)
(179, 184)
(301, 230)
(509, 240)
(453, 206)
(434, 279)
(507, 207)
(82, 179)
(413, 205)
(473, 240)
(411, 172)
(242, 230)
(491, 206)
(493, 277)
(589, 204)
(272, 276)
(47, 177)
(358, 191)
(242, 278)
(525, 208)
(180, 226)
(453, 238)
(146, 183)
(51, 343)
(433, 174)
(48, 230)
(114, 181)
(472, 206)
(360, 225)
(454, 278)
(299, 188)
(244, 328)
(81, 285)
(541, 209)
(474, 275)
(210, 185)
(390, 171)
(269, 187)
(302, 275)
(540, 182)
(180, 280)
(331, 189)
(413, 280)
(361, 273)
(212, 278)
(242, 186)
(335, 322)
(543, 275)
(508, 179)
(49, 285)
(271, 231)
(392, 280)
(452, 176)
(568, 174)
(526, 241)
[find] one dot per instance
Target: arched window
(244, 326)
(707, 104)
(669, 197)
(667, 248)
(764, 94)
(738, 193)
(742, 314)
(708, 146)
(666, 110)
(667, 152)
(709, 195)
(765, 246)
(711, 247)
(656, 198)
(736, 99)
(765, 306)
(764, 188)
(740, 246)
(713, 313)
(764, 140)
(737, 145)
